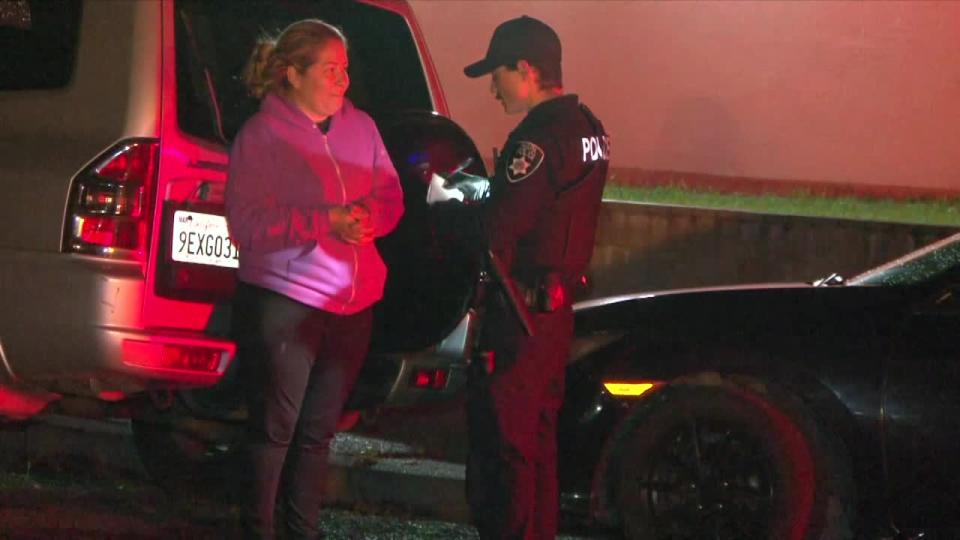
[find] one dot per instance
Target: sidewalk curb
(404, 482)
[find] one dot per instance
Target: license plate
(200, 238)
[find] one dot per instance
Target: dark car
(821, 410)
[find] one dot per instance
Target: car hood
(745, 312)
(608, 300)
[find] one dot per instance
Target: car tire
(719, 458)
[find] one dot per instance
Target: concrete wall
(843, 92)
(641, 247)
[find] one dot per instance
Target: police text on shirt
(594, 148)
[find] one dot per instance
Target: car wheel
(725, 460)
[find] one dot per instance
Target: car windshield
(917, 266)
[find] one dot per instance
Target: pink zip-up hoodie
(284, 175)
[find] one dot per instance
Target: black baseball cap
(523, 38)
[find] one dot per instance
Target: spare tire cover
(433, 256)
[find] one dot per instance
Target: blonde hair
(266, 69)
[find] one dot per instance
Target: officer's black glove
(474, 188)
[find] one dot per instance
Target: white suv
(116, 267)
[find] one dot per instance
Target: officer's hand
(474, 188)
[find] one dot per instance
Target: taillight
(432, 378)
(110, 206)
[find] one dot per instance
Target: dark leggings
(298, 365)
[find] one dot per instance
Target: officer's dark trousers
(512, 415)
(298, 365)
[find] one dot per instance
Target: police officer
(540, 220)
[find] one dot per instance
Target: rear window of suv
(39, 43)
(214, 38)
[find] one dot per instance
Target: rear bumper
(73, 324)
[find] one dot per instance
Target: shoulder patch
(525, 160)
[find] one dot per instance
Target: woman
(310, 186)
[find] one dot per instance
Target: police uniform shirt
(546, 190)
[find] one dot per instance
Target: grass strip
(923, 212)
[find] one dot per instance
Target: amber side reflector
(629, 389)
